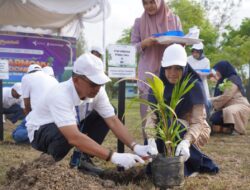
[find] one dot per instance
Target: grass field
(231, 153)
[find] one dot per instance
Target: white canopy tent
(58, 17)
(61, 17)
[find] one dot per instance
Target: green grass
(132, 122)
(231, 153)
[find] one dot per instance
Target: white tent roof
(50, 16)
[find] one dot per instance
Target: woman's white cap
(174, 54)
(198, 46)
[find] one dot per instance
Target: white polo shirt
(58, 106)
(35, 85)
(9, 100)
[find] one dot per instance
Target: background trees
(220, 12)
(235, 46)
(192, 13)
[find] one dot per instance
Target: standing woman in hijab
(229, 101)
(190, 111)
(157, 18)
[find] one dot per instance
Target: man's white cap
(18, 88)
(98, 49)
(91, 67)
(198, 46)
(34, 67)
(49, 71)
(174, 55)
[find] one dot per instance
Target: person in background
(190, 111)
(52, 124)
(98, 52)
(34, 85)
(20, 134)
(48, 70)
(157, 18)
(47, 67)
(201, 64)
(232, 109)
(13, 103)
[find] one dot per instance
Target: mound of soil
(45, 174)
(133, 175)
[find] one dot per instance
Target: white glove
(183, 149)
(145, 150)
(125, 160)
(151, 142)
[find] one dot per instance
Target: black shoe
(88, 167)
(75, 158)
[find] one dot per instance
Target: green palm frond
(157, 87)
(180, 89)
(226, 85)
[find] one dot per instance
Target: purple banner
(22, 49)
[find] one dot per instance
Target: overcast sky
(123, 14)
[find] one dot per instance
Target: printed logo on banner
(22, 50)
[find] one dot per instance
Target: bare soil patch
(45, 173)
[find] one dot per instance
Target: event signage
(22, 50)
(121, 61)
(4, 69)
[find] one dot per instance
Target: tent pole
(104, 34)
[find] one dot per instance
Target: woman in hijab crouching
(191, 111)
(232, 109)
